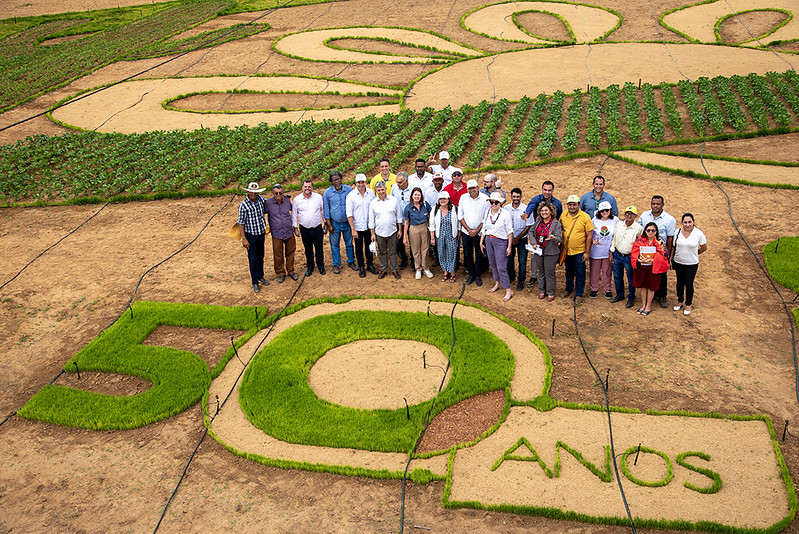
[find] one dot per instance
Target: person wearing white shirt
(431, 195)
(517, 208)
(385, 224)
(445, 168)
(309, 214)
(667, 227)
(471, 212)
(358, 201)
(421, 174)
(401, 190)
(625, 234)
(496, 240)
(689, 243)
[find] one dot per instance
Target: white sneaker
(418, 275)
(427, 273)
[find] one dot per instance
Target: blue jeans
(518, 248)
(341, 229)
(255, 256)
(575, 274)
(621, 264)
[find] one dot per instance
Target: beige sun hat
(496, 196)
(252, 187)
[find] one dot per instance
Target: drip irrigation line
(604, 387)
(128, 306)
(54, 244)
(754, 37)
(432, 405)
(219, 406)
(148, 69)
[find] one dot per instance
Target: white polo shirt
(472, 211)
(358, 208)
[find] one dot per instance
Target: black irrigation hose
(432, 405)
(219, 406)
(128, 78)
(54, 244)
(137, 283)
(604, 387)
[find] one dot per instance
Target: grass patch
(781, 255)
(179, 378)
(277, 398)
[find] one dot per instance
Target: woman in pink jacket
(649, 260)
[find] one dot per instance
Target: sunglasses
(493, 201)
(653, 230)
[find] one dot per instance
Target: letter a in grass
(604, 476)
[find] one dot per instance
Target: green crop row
(88, 164)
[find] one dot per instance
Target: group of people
(436, 214)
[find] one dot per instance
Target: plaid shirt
(251, 216)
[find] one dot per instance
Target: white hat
(443, 194)
(573, 199)
(496, 195)
(438, 175)
(253, 188)
(443, 155)
(360, 177)
(604, 205)
(471, 183)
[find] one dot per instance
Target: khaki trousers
(283, 251)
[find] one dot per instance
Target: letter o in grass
(657, 483)
(277, 398)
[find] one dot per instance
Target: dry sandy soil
(732, 356)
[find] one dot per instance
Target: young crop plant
(531, 128)
(691, 100)
(612, 116)
(632, 112)
(411, 145)
(672, 111)
(490, 128)
(777, 109)
(785, 90)
(593, 115)
(445, 133)
(467, 132)
(404, 126)
(550, 135)
(511, 127)
(571, 137)
(713, 112)
(653, 121)
(756, 108)
(732, 107)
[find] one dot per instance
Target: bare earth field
(733, 355)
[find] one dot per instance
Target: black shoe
(608, 295)
(478, 281)
(531, 282)
(630, 303)
(322, 270)
(293, 276)
(593, 294)
(255, 288)
(403, 265)
(362, 272)
(281, 279)
(617, 298)
(520, 285)
(352, 266)
(308, 271)
(263, 282)
(469, 280)
(371, 269)
(663, 302)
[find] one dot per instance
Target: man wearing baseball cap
(471, 213)
(621, 246)
(445, 168)
(358, 216)
(252, 229)
(578, 232)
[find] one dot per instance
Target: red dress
(648, 276)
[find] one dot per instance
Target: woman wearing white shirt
(496, 240)
(689, 243)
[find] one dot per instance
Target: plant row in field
(28, 69)
(90, 164)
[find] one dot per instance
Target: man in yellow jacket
(577, 238)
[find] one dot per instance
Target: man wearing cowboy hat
(252, 229)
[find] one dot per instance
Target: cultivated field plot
(155, 114)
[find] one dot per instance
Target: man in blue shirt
(590, 201)
(334, 202)
(252, 229)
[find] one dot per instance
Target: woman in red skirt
(649, 260)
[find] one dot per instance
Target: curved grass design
(179, 378)
(276, 397)
(781, 255)
(776, 27)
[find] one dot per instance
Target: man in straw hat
(252, 229)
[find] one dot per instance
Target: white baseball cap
(471, 183)
(443, 155)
